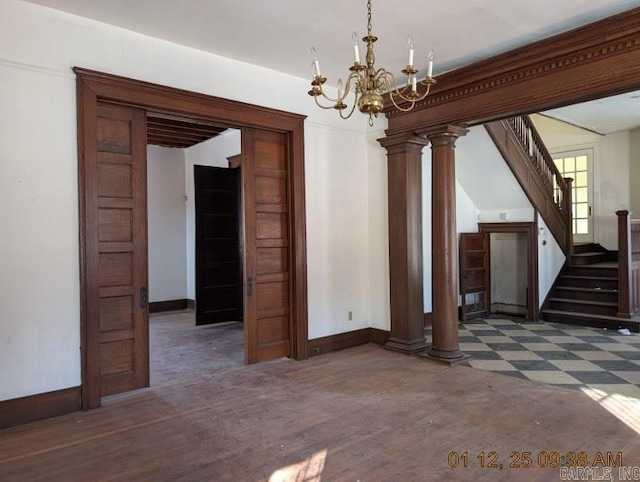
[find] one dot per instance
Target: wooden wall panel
(272, 260)
(114, 136)
(116, 269)
(114, 180)
(117, 357)
(116, 313)
(115, 225)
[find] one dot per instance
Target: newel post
(567, 210)
(624, 263)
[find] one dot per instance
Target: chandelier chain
(369, 17)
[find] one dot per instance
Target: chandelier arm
(315, 97)
(395, 92)
(383, 75)
(347, 89)
(412, 98)
(403, 109)
(353, 107)
(330, 99)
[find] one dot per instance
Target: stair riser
(591, 271)
(600, 296)
(589, 283)
(584, 260)
(583, 248)
(577, 320)
(577, 307)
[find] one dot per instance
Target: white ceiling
(278, 34)
(617, 113)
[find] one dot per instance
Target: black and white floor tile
(562, 355)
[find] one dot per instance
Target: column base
(450, 358)
(408, 348)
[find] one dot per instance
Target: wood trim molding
(169, 305)
(93, 86)
(531, 230)
(235, 161)
(341, 341)
(590, 62)
(37, 407)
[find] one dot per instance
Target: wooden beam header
(590, 62)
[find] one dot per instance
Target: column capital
(403, 142)
(445, 134)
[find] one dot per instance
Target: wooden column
(404, 158)
(444, 238)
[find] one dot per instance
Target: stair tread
(583, 302)
(581, 288)
(576, 276)
(600, 266)
(583, 315)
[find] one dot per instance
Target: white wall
(39, 268)
(214, 152)
(550, 260)
(634, 173)
(466, 220)
(488, 181)
(379, 304)
(39, 300)
(338, 262)
(166, 224)
(611, 189)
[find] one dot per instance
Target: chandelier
(371, 84)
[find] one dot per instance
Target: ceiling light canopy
(370, 84)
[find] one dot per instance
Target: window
(576, 165)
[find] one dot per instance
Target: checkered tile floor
(557, 354)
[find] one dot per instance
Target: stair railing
(557, 188)
(628, 265)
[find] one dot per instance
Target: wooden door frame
(531, 231)
(93, 86)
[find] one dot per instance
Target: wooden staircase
(596, 287)
(586, 291)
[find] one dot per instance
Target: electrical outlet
(350, 314)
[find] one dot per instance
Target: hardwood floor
(364, 413)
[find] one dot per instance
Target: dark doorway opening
(218, 249)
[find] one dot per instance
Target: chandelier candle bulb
(356, 49)
(430, 65)
(316, 62)
(410, 45)
(414, 87)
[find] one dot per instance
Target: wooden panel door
(265, 188)
(218, 269)
(114, 215)
(475, 286)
